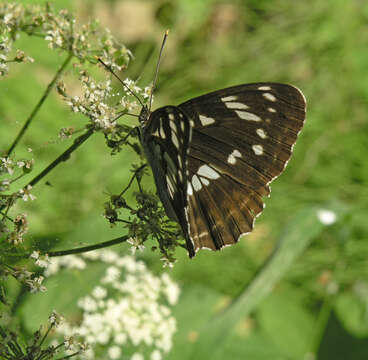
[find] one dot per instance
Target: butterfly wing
(242, 139)
(165, 139)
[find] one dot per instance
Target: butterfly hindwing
(242, 139)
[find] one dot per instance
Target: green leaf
(287, 322)
(353, 313)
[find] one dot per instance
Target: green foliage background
(321, 46)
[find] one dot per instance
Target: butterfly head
(144, 115)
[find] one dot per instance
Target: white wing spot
(173, 127)
(205, 120)
(171, 116)
(269, 96)
(236, 105)
(208, 172)
(189, 189)
(170, 186)
(182, 126)
(229, 98)
(264, 88)
(232, 157)
(156, 133)
(175, 140)
(270, 109)
(258, 149)
(196, 183)
(179, 161)
(245, 115)
(205, 181)
(180, 175)
(237, 153)
(261, 133)
(162, 132)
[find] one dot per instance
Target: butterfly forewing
(214, 156)
(241, 140)
(166, 138)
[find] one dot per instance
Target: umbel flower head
(128, 311)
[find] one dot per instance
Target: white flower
(137, 356)
(114, 352)
(120, 338)
(68, 342)
(326, 217)
(112, 274)
(43, 262)
(26, 193)
(156, 355)
(134, 315)
(35, 254)
(136, 245)
(171, 290)
(88, 304)
(8, 165)
(99, 292)
(54, 318)
(35, 284)
(147, 92)
(109, 256)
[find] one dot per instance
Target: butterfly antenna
(157, 67)
(121, 81)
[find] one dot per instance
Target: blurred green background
(320, 46)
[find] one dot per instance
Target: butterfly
(213, 157)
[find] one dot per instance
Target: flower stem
(90, 247)
(39, 104)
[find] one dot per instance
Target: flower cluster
(33, 282)
(16, 236)
(129, 309)
(61, 32)
(8, 166)
(147, 220)
(97, 101)
(12, 18)
(12, 347)
(9, 170)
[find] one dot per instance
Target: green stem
(39, 104)
(322, 321)
(89, 248)
(132, 179)
(63, 157)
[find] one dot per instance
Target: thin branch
(132, 179)
(39, 104)
(89, 248)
